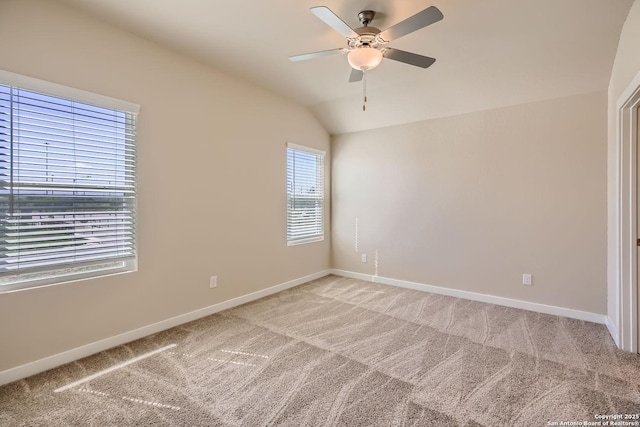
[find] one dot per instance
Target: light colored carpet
(340, 351)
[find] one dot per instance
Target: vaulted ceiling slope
(490, 53)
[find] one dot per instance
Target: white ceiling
(490, 53)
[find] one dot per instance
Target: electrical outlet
(364, 257)
(213, 281)
(527, 279)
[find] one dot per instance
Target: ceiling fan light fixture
(364, 58)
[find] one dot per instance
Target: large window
(67, 184)
(305, 194)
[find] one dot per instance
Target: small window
(305, 194)
(67, 184)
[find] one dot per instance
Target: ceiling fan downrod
(366, 16)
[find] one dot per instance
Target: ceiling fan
(367, 46)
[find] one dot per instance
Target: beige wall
(625, 69)
(473, 201)
(211, 182)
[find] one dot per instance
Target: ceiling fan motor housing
(367, 36)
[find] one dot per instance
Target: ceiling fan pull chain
(364, 90)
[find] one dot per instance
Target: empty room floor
(340, 351)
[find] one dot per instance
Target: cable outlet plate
(213, 281)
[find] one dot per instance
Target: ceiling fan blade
(312, 55)
(428, 16)
(331, 19)
(409, 58)
(355, 76)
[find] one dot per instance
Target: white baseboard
(59, 359)
(353, 275)
(491, 299)
(613, 330)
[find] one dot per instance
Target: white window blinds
(67, 188)
(305, 194)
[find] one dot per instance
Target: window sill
(303, 241)
(71, 276)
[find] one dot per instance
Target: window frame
(69, 273)
(321, 168)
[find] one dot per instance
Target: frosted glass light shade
(364, 58)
